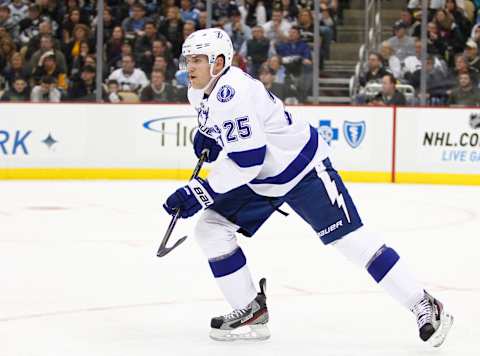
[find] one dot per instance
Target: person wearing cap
(46, 91)
(402, 44)
(471, 53)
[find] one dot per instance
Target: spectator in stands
(375, 71)
(462, 66)
(44, 28)
(294, 48)
(402, 45)
(18, 10)
(19, 91)
(435, 43)
(7, 49)
(188, 12)
(296, 57)
(414, 63)
(389, 94)
(276, 30)
(47, 66)
(172, 29)
(14, 69)
(84, 87)
(113, 47)
(113, 89)
(328, 30)
(158, 91)
(109, 23)
(282, 91)
(46, 91)
(237, 30)
(73, 19)
(47, 45)
(80, 61)
(134, 25)
(256, 50)
(471, 53)
(223, 8)
(256, 12)
(188, 29)
(413, 26)
(130, 79)
(143, 43)
(280, 72)
(449, 33)
(81, 35)
(202, 20)
(475, 34)
(159, 49)
(28, 27)
(390, 60)
(289, 10)
(163, 65)
(459, 19)
(7, 22)
(466, 94)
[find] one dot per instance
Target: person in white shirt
(129, 78)
(276, 29)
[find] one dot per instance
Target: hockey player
(272, 158)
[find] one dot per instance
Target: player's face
(198, 70)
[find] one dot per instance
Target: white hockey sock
(366, 250)
(402, 286)
(238, 288)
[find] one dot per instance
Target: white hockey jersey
(265, 147)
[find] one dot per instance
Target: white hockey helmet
(211, 42)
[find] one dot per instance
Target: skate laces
(423, 311)
(237, 313)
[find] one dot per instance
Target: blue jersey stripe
(297, 165)
(249, 158)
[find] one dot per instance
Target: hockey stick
(163, 249)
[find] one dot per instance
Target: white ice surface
(79, 275)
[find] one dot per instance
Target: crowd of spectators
(452, 65)
(48, 47)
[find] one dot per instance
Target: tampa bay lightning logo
(225, 93)
(354, 132)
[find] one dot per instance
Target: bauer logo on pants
(354, 132)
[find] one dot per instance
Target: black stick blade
(162, 251)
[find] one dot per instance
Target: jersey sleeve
(244, 142)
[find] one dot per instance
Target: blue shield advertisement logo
(354, 132)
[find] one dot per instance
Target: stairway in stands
(335, 77)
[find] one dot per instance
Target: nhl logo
(354, 132)
(475, 120)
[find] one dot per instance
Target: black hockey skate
(249, 323)
(433, 321)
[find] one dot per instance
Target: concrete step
(357, 36)
(357, 17)
(334, 81)
(345, 51)
(331, 99)
(345, 62)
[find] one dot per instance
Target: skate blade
(257, 332)
(439, 336)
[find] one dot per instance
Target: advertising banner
(437, 142)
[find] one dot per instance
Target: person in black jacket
(84, 88)
(158, 91)
(18, 92)
(389, 94)
(256, 50)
